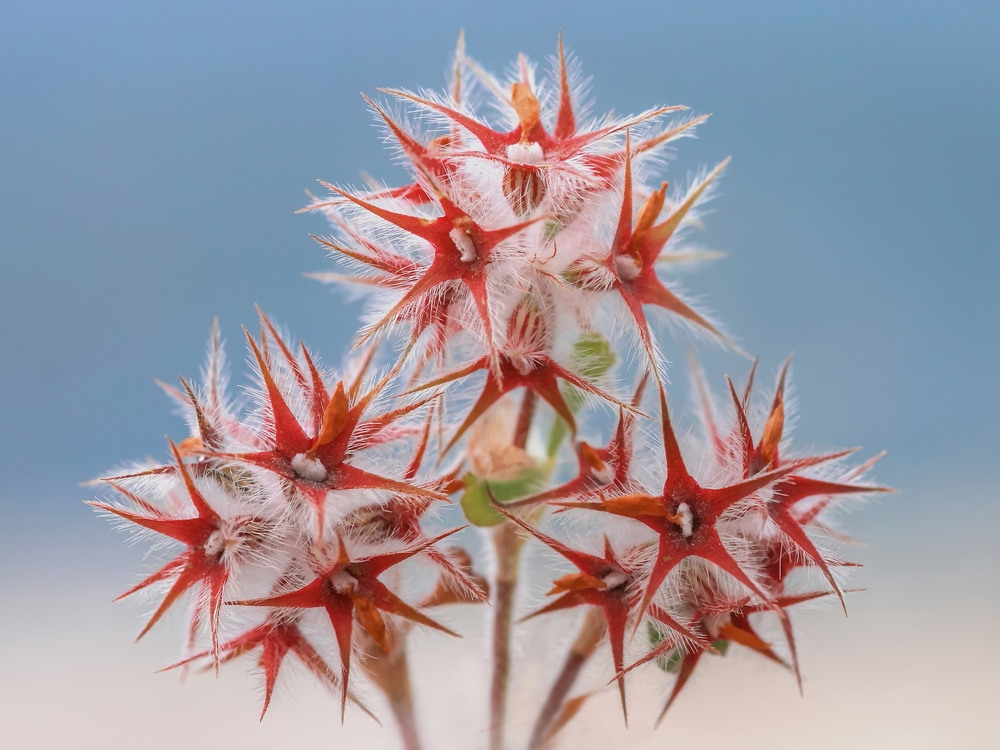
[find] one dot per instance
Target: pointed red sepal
(493, 141)
(350, 587)
(605, 582)
(633, 254)
(743, 437)
(792, 490)
(677, 473)
(288, 433)
(565, 119)
(542, 378)
(766, 452)
(657, 236)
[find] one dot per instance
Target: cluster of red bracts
(312, 459)
(308, 503)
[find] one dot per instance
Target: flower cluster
(515, 290)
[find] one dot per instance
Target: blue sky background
(152, 156)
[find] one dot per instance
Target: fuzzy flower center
(686, 519)
(343, 582)
(627, 267)
(615, 578)
(464, 244)
(216, 543)
(309, 468)
(525, 153)
(521, 362)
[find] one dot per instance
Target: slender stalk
(390, 671)
(587, 639)
(507, 542)
(524, 418)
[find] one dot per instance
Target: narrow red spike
(565, 119)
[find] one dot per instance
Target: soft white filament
(627, 267)
(687, 520)
(308, 468)
(525, 153)
(615, 579)
(216, 543)
(343, 582)
(466, 247)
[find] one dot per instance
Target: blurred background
(152, 156)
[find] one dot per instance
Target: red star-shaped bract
(600, 469)
(631, 261)
(685, 514)
(434, 318)
(524, 180)
(604, 582)
(463, 250)
(736, 629)
(398, 520)
(203, 563)
(277, 637)
(523, 362)
(349, 588)
(317, 463)
(789, 490)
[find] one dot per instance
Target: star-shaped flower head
(215, 546)
(725, 622)
(607, 582)
(629, 267)
(464, 253)
(350, 588)
(601, 470)
(685, 514)
(535, 155)
(277, 637)
(523, 361)
(316, 458)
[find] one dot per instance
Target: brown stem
(591, 632)
(390, 671)
(524, 418)
(507, 543)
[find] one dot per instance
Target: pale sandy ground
(916, 665)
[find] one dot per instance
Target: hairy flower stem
(524, 419)
(507, 542)
(591, 632)
(390, 671)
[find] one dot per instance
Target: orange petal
(334, 418)
(588, 454)
(636, 505)
(576, 582)
(771, 436)
(371, 620)
(650, 210)
(529, 112)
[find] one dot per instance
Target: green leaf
(478, 505)
(670, 662)
(593, 355)
(592, 358)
